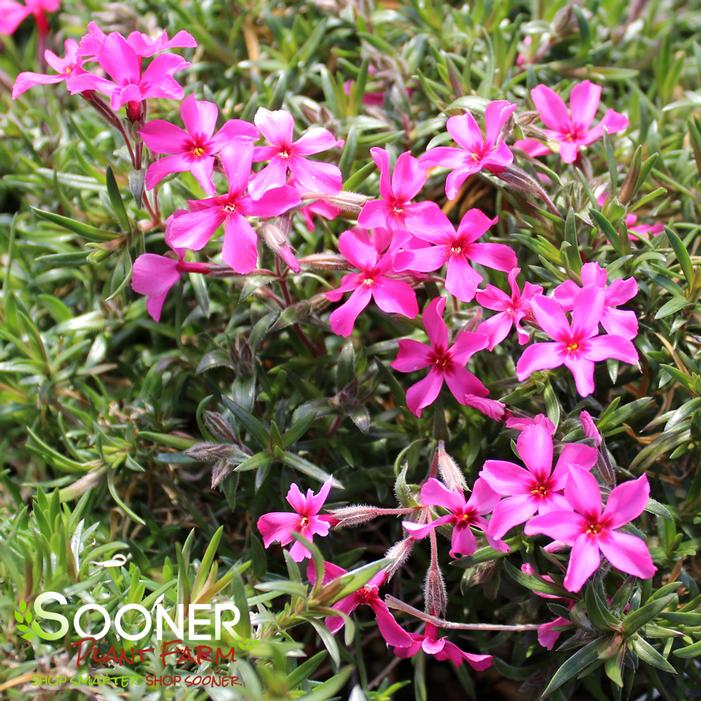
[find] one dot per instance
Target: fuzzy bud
(399, 554)
(208, 452)
(348, 202)
(275, 233)
(449, 471)
(435, 594)
(218, 426)
(354, 515)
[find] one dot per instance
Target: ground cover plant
(377, 324)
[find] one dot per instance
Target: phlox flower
(571, 129)
(458, 249)
(576, 344)
(195, 147)
(285, 155)
(127, 82)
(462, 514)
(278, 526)
(442, 649)
(591, 531)
(12, 14)
(538, 487)
(69, 65)
(374, 281)
(589, 427)
(520, 423)
(477, 151)
(194, 228)
(318, 208)
(446, 362)
(619, 322)
(395, 210)
(513, 309)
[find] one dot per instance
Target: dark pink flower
(532, 147)
(446, 362)
(318, 208)
(512, 309)
(589, 427)
(619, 322)
(374, 281)
(520, 423)
(536, 489)
(194, 228)
(12, 14)
(571, 129)
(442, 649)
(130, 84)
(463, 515)
(458, 249)
(590, 531)
(477, 151)
(395, 210)
(68, 65)
(642, 230)
(194, 148)
(285, 155)
(278, 526)
(576, 344)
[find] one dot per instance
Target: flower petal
(539, 356)
(240, 247)
(395, 297)
(551, 108)
(433, 322)
(628, 553)
(412, 356)
(506, 478)
(627, 501)
(509, 513)
(424, 392)
(584, 102)
(583, 492)
(343, 318)
(277, 126)
(565, 526)
(535, 447)
(550, 316)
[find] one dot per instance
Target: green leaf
(648, 654)
(87, 231)
(638, 618)
(573, 666)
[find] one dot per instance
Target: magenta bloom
(462, 515)
(396, 211)
(477, 151)
(512, 309)
(589, 427)
(537, 488)
(367, 595)
(374, 281)
(589, 531)
(154, 275)
(446, 362)
(193, 148)
(572, 128)
(318, 208)
(642, 230)
(520, 423)
(442, 649)
(12, 14)
(576, 345)
(278, 526)
(458, 249)
(64, 67)
(618, 322)
(129, 83)
(192, 229)
(286, 155)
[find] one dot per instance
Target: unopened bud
(275, 233)
(348, 202)
(435, 594)
(449, 471)
(629, 187)
(218, 426)
(399, 554)
(565, 21)
(354, 515)
(325, 261)
(208, 452)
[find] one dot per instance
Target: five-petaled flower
(278, 526)
(68, 65)
(476, 151)
(591, 531)
(446, 362)
(195, 147)
(374, 281)
(12, 14)
(576, 344)
(536, 489)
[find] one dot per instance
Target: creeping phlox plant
(452, 276)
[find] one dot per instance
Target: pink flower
(618, 322)
(532, 148)
(489, 407)
(396, 211)
(12, 14)
(318, 208)
(154, 275)
(462, 515)
(446, 362)
(572, 129)
(64, 67)
(193, 148)
(576, 344)
(442, 649)
(458, 249)
(286, 155)
(520, 423)
(129, 83)
(374, 281)
(589, 427)
(477, 151)
(278, 526)
(642, 230)
(537, 488)
(367, 595)
(142, 44)
(512, 309)
(589, 531)
(192, 229)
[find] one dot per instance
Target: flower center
(68, 70)
(304, 522)
(367, 593)
(197, 151)
(572, 346)
(464, 519)
(368, 282)
(593, 529)
(442, 358)
(230, 208)
(456, 249)
(284, 153)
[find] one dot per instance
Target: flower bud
(399, 554)
(208, 452)
(435, 594)
(348, 202)
(218, 426)
(450, 473)
(354, 515)
(275, 233)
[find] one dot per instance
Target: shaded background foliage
(123, 435)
